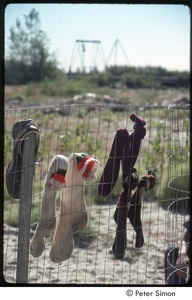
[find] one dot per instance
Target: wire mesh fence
(179, 195)
(68, 129)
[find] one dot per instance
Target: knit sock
(138, 120)
(134, 214)
(120, 215)
(21, 130)
(124, 148)
(120, 241)
(135, 138)
(54, 181)
(134, 211)
(120, 150)
(73, 213)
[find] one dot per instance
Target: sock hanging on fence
(124, 148)
(131, 210)
(134, 209)
(120, 215)
(20, 131)
(73, 213)
(55, 180)
(127, 148)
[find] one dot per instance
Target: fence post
(28, 165)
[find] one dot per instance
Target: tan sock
(73, 213)
(54, 181)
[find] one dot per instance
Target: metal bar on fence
(28, 164)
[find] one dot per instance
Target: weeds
(92, 131)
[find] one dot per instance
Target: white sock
(54, 181)
(73, 213)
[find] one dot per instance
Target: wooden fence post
(28, 165)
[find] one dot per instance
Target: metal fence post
(28, 165)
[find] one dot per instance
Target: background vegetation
(29, 60)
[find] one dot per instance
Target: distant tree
(147, 77)
(28, 57)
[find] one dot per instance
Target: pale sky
(151, 35)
